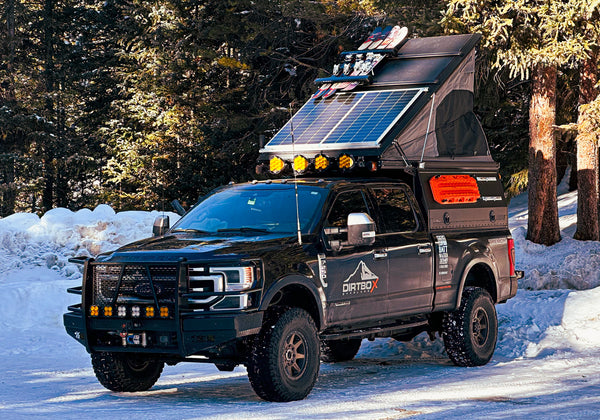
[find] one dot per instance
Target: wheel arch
(300, 292)
(479, 273)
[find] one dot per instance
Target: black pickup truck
(278, 275)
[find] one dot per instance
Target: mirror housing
(160, 226)
(361, 229)
(178, 207)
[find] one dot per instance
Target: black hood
(171, 248)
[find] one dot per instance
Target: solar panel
(346, 120)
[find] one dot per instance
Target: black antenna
(295, 179)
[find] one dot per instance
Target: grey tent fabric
(457, 129)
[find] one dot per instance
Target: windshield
(255, 209)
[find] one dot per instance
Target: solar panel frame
(300, 144)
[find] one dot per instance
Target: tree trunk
(8, 83)
(542, 227)
(49, 146)
(587, 158)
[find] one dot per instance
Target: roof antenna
(295, 179)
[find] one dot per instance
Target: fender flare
(297, 280)
(472, 263)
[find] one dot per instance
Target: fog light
(149, 311)
(94, 310)
(164, 312)
(108, 311)
(346, 162)
(321, 162)
(300, 164)
(122, 311)
(276, 165)
(135, 311)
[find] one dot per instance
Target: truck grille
(136, 286)
(200, 280)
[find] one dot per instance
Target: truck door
(409, 249)
(356, 276)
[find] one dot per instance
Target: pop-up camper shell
(414, 116)
(417, 107)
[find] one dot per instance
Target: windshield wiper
(243, 229)
(190, 230)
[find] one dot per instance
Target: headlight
(236, 278)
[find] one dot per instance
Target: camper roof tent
(417, 107)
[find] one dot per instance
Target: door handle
(424, 250)
(378, 255)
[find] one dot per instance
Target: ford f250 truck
(404, 230)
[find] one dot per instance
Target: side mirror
(178, 207)
(161, 225)
(361, 229)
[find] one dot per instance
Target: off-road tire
(123, 372)
(284, 362)
(333, 351)
(470, 332)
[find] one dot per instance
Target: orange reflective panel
(454, 189)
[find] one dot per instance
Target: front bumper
(194, 334)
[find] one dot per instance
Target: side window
(346, 203)
(396, 212)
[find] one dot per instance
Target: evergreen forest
(135, 103)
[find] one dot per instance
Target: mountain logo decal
(362, 280)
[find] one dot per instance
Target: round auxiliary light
(300, 164)
(346, 162)
(276, 165)
(108, 311)
(321, 162)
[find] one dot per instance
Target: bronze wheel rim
(480, 326)
(294, 355)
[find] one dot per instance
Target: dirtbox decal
(362, 280)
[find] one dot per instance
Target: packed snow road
(546, 365)
(46, 374)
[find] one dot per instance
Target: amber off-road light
(321, 162)
(300, 164)
(94, 310)
(276, 165)
(149, 311)
(346, 162)
(108, 311)
(164, 312)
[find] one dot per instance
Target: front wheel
(124, 372)
(470, 332)
(284, 363)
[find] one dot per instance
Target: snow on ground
(547, 362)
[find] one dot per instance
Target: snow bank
(27, 240)
(569, 264)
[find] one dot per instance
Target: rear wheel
(284, 363)
(470, 332)
(124, 372)
(339, 350)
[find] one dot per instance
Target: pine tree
(529, 38)
(586, 16)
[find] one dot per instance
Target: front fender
(300, 281)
